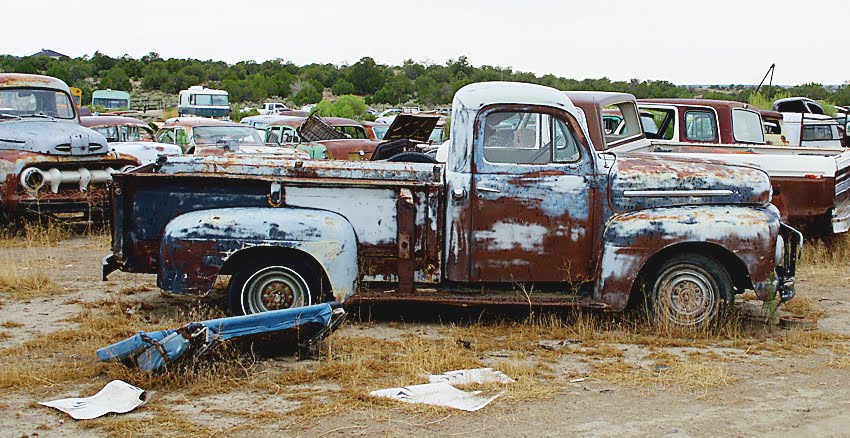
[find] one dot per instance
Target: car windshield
(244, 135)
(27, 102)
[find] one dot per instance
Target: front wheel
(691, 290)
(261, 288)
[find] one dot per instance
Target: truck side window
(528, 138)
(627, 122)
(658, 124)
(700, 126)
(566, 145)
(517, 137)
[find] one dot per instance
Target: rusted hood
(417, 128)
(641, 181)
(53, 137)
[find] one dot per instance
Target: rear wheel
(691, 290)
(274, 286)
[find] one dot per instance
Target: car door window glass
(528, 138)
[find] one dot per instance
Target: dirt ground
(612, 377)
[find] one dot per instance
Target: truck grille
(34, 179)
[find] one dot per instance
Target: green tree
(348, 106)
(59, 71)
(116, 79)
(342, 87)
(307, 94)
(366, 76)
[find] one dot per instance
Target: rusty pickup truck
(50, 165)
(811, 186)
(524, 211)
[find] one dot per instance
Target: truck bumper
(841, 218)
(787, 269)
(109, 264)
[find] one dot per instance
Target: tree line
(426, 84)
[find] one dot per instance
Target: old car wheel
(270, 287)
(691, 290)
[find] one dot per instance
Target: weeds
(25, 281)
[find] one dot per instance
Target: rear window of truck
(700, 126)
(747, 126)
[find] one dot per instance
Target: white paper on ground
(465, 377)
(440, 394)
(117, 396)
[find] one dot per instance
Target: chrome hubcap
(274, 288)
(686, 296)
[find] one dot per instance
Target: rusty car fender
(198, 246)
(738, 237)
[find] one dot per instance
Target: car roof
(16, 80)
(90, 121)
(197, 121)
(699, 102)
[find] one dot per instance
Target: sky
(684, 42)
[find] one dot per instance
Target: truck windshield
(244, 135)
(26, 102)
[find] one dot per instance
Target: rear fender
(742, 238)
(196, 245)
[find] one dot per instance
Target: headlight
(32, 179)
(779, 251)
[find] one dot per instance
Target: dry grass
(21, 280)
(35, 233)
(803, 306)
(11, 324)
(684, 372)
(827, 259)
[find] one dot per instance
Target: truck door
(532, 196)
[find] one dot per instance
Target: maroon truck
(810, 185)
(523, 211)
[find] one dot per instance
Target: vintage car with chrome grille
(49, 163)
(202, 136)
(130, 136)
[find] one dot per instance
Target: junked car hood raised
(411, 127)
(641, 181)
(53, 137)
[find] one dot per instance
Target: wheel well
(251, 255)
(736, 268)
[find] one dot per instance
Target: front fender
(196, 245)
(741, 235)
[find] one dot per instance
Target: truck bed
(146, 200)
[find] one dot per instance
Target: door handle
(488, 190)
